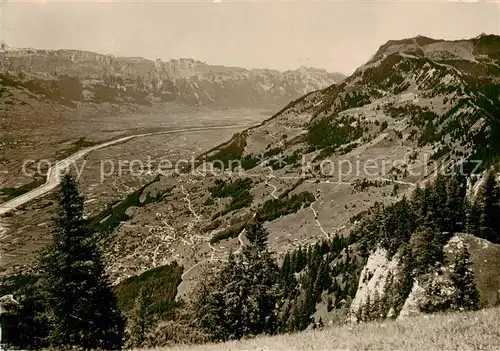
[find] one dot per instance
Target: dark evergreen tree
(234, 284)
(263, 274)
(80, 298)
(467, 296)
(366, 309)
(440, 215)
(209, 308)
(402, 285)
(329, 304)
(398, 224)
(141, 318)
(456, 204)
(257, 235)
(473, 218)
(296, 317)
(284, 318)
(287, 276)
(242, 298)
(426, 249)
(489, 222)
(25, 324)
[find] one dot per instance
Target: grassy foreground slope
(458, 331)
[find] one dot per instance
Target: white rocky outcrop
(373, 278)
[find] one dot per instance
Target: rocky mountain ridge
(85, 76)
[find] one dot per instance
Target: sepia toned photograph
(249, 175)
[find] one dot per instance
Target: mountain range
(72, 76)
(348, 179)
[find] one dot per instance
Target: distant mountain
(80, 76)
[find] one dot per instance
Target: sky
(335, 35)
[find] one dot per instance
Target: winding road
(54, 173)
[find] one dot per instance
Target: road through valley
(54, 173)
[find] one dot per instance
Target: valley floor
(458, 331)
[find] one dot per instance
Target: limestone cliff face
(434, 288)
(96, 77)
(374, 279)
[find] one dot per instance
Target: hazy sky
(337, 36)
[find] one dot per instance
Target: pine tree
(467, 296)
(257, 235)
(208, 309)
(296, 317)
(237, 311)
(474, 211)
(426, 249)
(263, 278)
(376, 308)
(456, 203)
(141, 317)
(366, 309)
(403, 285)
(440, 208)
(489, 222)
(242, 298)
(284, 319)
(25, 324)
(359, 314)
(329, 304)
(80, 298)
(287, 277)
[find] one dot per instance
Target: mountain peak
(439, 49)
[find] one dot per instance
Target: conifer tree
(366, 309)
(80, 298)
(141, 317)
(284, 318)
(467, 296)
(242, 298)
(440, 208)
(473, 218)
(208, 308)
(287, 277)
(329, 304)
(234, 284)
(25, 324)
(296, 317)
(263, 273)
(426, 249)
(403, 284)
(489, 222)
(456, 203)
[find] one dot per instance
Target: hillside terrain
(59, 101)
(463, 331)
(413, 107)
(378, 195)
(55, 103)
(42, 87)
(417, 107)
